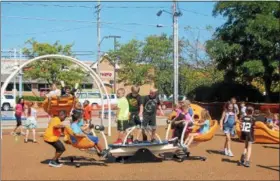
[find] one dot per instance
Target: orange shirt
(87, 112)
(51, 134)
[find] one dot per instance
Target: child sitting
(78, 131)
(179, 122)
(274, 125)
(205, 127)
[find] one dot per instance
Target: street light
(175, 16)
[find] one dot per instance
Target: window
(94, 95)
(27, 87)
(10, 87)
(40, 86)
(87, 86)
(9, 97)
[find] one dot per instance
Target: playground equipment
(54, 104)
(262, 133)
(144, 151)
(85, 67)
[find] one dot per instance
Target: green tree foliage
(51, 70)
(133, 70)
(247, 44)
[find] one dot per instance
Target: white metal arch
(95, 77)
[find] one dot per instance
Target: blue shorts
(93, 138)
(229, 129)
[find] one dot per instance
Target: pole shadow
(270, 167)
(217, 152)
(272, 147)
(81, 161)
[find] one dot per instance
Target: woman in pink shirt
(19, 111)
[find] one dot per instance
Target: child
(247, 134)
(122, 117)
(227, 122)
(52, 134)
(243, 109)
(179, 122)
(18, 113)
(135, 109)
(275, 122)
(31, 123)
(87, 112)
(205, 127)
(78, 131)
(66, 91)
(236, 109)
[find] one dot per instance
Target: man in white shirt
(54, 92)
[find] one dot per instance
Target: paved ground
(22, 161)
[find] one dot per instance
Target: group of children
(246, 119)
(183, 116)
(29, 111)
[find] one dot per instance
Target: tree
(133, 70)
(248, 40)
(51, 70)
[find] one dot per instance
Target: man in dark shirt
(151, 103)
(135, 109)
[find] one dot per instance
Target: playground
(22, 161)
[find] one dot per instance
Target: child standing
(31, 123)
(122, 117)
(19, 112)
(247, 135)
(227, 123)
(243, 109)
(135, 109)
(87, 112)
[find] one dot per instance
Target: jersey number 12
(246, 127)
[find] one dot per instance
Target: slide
(263, 134)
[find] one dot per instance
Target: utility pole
(15, 62)
(98, 37)
(175, 52)
(115, 62)
(20, 76)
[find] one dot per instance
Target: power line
(197, 13)
(88, 7)
(51, 31)
(82, 21)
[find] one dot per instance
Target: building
(33, 87)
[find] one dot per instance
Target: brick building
(33, 87)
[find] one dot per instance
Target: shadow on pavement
(270, 167)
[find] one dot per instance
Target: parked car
(168, 104)
(7, 102)
(92, 97)
(113, 98)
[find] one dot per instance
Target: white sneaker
(226, 152)
(230, 153)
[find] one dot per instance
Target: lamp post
(175, 16)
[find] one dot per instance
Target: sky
(42, 21)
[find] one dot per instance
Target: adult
(19, 111)
(51, 136)
(151, 103)
(54, 91)
(66, 90)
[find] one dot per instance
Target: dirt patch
(21, 161)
